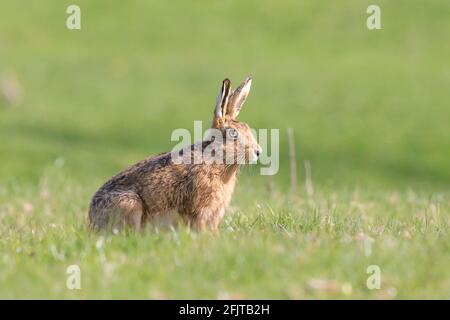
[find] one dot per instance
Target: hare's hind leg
(132, 211)
(117, 211)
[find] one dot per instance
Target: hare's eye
(232, 134)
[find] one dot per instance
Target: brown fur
(157, 187)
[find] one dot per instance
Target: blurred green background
(369, 108)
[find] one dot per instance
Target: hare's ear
(237, 98)
(222, 100)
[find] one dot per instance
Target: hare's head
(237, 141)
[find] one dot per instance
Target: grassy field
(369, 110)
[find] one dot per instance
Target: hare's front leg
(207, 219)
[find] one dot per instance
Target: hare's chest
(227, 191)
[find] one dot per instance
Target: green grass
(280, 247)
(369, 111)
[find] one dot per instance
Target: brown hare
(198, 188)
